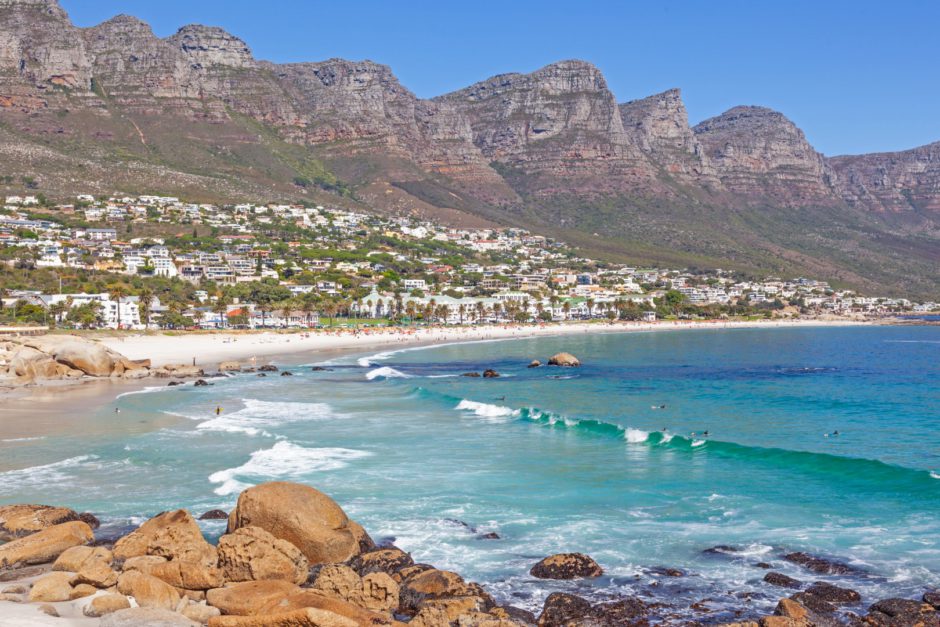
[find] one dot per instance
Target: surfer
(218, 410)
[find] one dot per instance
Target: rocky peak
(659, 125)
(209, 46)
(40, 47)
(757, 151)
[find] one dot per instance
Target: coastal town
(139, 262)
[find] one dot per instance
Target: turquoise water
(561, 460)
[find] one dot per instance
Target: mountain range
(113, 108)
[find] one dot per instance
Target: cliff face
(659, 125)
(41, 54)
(761, 155)
(559, 125)
(892, 181)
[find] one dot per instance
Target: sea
(660, 447)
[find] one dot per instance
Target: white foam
(485, 410)
(935, 474)
(32, 439)
(147, 390)
(667, 437)
(256, 415)
(698, 443)
(43, 475)
(635, 436)
(387, 373)
(284, 460)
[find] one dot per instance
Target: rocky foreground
(291, 557)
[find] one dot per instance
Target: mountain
(116, 108)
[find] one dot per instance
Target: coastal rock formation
(31, 359)
(251, 553)
(301, 515)
(21, 520)
(894, 182)
(564, 359)
(566, 566)
(46, 545)
(157, 567)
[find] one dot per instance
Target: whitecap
(256, 415)
(935, 474)
(635, 436)
(666, 437)
(31, 439)
(147, 390)
(386, 373)
(485, 410)
(43, 475)
(698, 443)
(284, 460)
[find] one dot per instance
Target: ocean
(823, 440)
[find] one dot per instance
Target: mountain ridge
(113, 106)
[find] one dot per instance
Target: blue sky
(856, 76)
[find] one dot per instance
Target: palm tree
(116, 293)
(307, 307)
(330, 308)
(287, 308)
(566, 308)
(590, 307)
(144, 305)
(220, 307)
(461, 311)
(481, 309)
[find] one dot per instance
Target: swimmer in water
(117, 410)
(218, 411)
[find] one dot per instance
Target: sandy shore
(208, 349)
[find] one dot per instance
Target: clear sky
(855, 75)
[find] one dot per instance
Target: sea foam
(485, 410)
(256, 415)
(386, 372)
(284, 460)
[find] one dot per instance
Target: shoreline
(209, 349)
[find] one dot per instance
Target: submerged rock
(287, 374)
(470, 374)
(489, 373)
(834, 594)
(535, 363)
(784, 581)
(268, 368)
(822, 565)
(566, 566)
(214, 514)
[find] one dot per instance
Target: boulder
(779, 579)
(200, 383)
(52, 588)
(561, 609)
(564, 359)
(834, 594)
(489, 373)
(535, 363)
(151, 617)
(305, 517)
(313, 599)
(897, 612)
(388, 561)
(434, 584)
(470, 374)
(307, 617)
(198, 611)
(174, 535)
(189, 575)
(75, 558)
(821, 565)
(628, 611)
(230, 366)
(89, 519)
(96, 573)
(106, 604)
(17, 521)
(46, 545)
(82, 590)
(376, 591)
(249, 597)
(287, 374)
(91, 358)
(268, 368)
(214, 514)
(251, 553)
(365, 541)
(566, 566)
(933, 599)
(148, 591)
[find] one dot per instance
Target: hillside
(116, 108)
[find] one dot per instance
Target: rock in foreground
(566, 566)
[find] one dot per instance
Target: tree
(116, 293)
(145, 304)
(220, 308)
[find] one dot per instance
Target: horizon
(859, 80)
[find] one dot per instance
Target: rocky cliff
(892, 181)
(759, 154)
(659, 125)
(116, 107)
